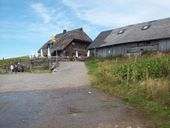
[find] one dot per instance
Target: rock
(89, 92)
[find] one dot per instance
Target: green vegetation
(40, 65)
(40, 70)
(144, 81)
(7, 62)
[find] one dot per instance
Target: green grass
(144, 81)
(13, 60)
(155, 68)
(41, 70)
(92, 64)
(8, 62)
(5, 65)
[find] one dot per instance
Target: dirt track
(69, 74)
(62, 100)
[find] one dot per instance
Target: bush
(141, 70)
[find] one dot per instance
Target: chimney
(81, 29)
(64, 31)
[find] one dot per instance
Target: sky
(25, 25)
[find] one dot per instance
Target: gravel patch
(69, 74)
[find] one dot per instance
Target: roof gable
(99, 40)
(65, 38)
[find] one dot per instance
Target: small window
(121, 31)
(145, 27)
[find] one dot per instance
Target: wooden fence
(28, 64)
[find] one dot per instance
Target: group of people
(17, 67)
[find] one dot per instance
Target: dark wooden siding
(164, 45)
(79, 46)
(132, 48)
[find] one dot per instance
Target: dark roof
(99, 40)
(152, 30)
(65, 38)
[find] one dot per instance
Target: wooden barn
(67, 43)
(133, 39)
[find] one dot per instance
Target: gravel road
(68, 75)
(63, 100)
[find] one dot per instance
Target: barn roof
(152, 30)
(100, 39)
(66, 37)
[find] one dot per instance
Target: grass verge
(143, 81)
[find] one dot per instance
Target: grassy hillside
(144, 81)
(5, 64)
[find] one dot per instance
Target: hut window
(121, 31)
(145, 27)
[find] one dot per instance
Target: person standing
(53, 67)
(15, 68)
(11, 68)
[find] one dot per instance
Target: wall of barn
(164, 45)
(132, 48)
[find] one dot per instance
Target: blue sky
(25, 25)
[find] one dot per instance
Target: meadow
(143, 81)
(43, 68)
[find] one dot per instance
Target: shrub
(144, 81)
(140, 70)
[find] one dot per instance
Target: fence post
(49, 62)
(31, 65)
(128, 76)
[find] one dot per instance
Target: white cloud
(54, 18)
(42, 11)
(119, 12)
